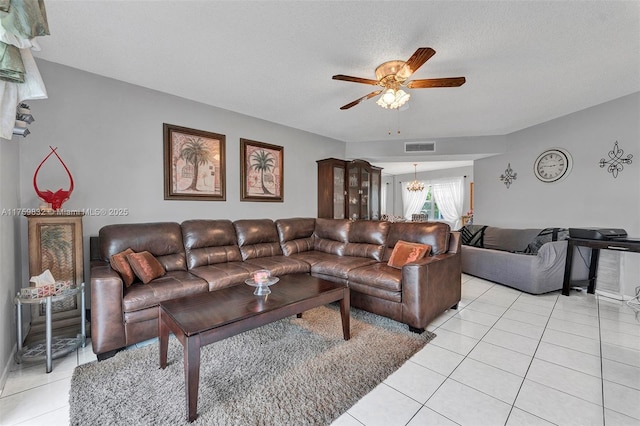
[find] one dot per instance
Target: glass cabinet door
(354, 192)
(338, 192)
(365, 193)
(374, 197)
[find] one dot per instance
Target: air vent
(420, 147)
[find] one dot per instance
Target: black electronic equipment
(597, 233)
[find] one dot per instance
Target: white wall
(10, 279)
(109, 134)
(589, 196)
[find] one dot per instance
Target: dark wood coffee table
(202, 319)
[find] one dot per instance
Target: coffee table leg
(192, 374)
(163, 337)
(344, 313)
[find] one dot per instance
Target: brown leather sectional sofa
(204, 255)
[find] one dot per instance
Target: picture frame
(194, 164)
(261, 171)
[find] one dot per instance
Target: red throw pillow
(145, 266)
(121, 265)
(405, 252)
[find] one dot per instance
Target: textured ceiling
(525, 62)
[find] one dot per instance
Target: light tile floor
(503, 358)
(511, 358)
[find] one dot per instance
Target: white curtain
(412, 201)
(20, 22)
(448, 195)
(383, 199)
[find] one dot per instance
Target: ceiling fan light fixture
(389, 96)
(401, 98)
(392, 99)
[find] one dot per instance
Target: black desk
(632, 245)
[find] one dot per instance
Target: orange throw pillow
(145, 266)
(121, 265)
(405, 252)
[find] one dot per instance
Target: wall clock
(553, 165)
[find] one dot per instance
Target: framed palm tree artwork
(194, 164)
(261, 171)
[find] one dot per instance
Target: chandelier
(415, 185)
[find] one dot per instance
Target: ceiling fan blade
(355, 79)
(364, 98)
(416, 60)
(436, 82)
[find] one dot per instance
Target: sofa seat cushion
(376, 292)
(312, 257)
(170, 286)
(221, 275)
(378, 275)
(339, 266)
(281, 265)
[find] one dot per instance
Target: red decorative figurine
(60, 196)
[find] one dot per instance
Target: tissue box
(59, 287)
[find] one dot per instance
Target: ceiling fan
(393, 75)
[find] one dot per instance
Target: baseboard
(6, 369)
(615, 296)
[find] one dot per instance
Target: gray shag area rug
(296, 371)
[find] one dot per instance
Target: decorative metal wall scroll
(509, 176)
(615, 163)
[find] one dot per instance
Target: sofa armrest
(551, 253)
(430, 286)
(107, 318)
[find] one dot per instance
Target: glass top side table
(52, 348)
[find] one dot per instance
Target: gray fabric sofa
(530, 260)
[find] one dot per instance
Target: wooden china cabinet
(348, 189)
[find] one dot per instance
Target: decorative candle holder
(261, 281)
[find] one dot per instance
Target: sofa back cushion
(296, 234)
(331, 235)
(208, 242)
(162, 239)
(435, 234)
(257, 238)
(367, 238)
(506, 239)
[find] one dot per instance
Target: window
(430, 207)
